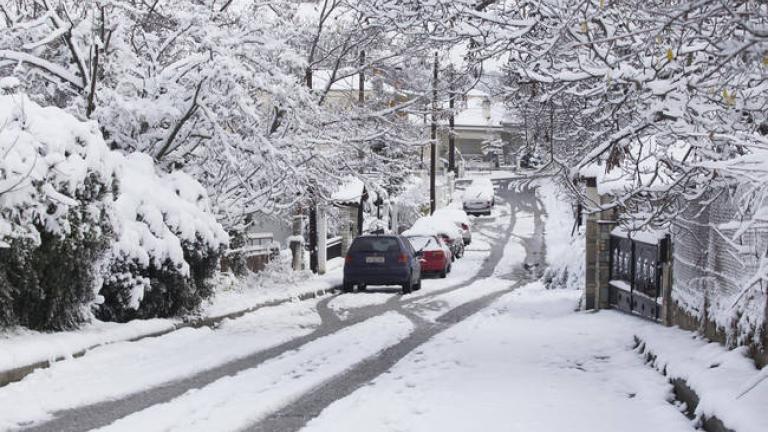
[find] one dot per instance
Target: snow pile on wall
(564, 252)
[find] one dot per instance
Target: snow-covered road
(374, 360)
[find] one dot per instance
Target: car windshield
(375, 244)
(423, 242)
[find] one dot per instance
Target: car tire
(347, 287)
(444, 274)
(361, 287)
(408, 287)
(417, 285)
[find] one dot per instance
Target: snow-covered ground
(432, 307)
(727, 382)
(123, 368)
(232, 403)
(20, 348)
(527, 363)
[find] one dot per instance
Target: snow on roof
(481, 112)
(350, 192)
(643, 166)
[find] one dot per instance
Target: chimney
(487, 109)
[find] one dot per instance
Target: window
(375, 244)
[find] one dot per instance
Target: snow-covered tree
(83, 225)
(649, 78)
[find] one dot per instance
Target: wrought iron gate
(635, 283)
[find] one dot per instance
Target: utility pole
(451, 135)
(314, 262)
(433, 142)
(361, 80)
(361, 102)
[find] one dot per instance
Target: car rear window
(423, 243)
(375, 244)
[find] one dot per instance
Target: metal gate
(635, 283)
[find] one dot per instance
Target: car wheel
(408, 286)
(361, 287)
(347, 287)
(417, 285)
(444, 273)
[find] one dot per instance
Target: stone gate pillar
(591, 239)
(322, 239)
(296, 242)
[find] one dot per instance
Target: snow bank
(21, 347)
(727, 383)
(564, 252)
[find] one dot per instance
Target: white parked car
(459, 218)
(440, 227)
(479, 198)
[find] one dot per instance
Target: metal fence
(712, 265)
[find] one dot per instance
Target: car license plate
(374, 260)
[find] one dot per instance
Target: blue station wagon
(382, 260)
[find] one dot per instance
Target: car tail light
(348, 259)
(403, 259)
(435, 254)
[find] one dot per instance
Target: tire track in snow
(104, 413)
(234, 402)
(295, 416)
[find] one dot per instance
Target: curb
(683, 392)
(17, 374)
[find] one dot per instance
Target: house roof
(476, 116)
(350, 192)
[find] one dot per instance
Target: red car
(436, 256)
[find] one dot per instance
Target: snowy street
(394, 216)
(488, 339)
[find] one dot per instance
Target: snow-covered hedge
(77, 218)
(55, 206)
(168, 243)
